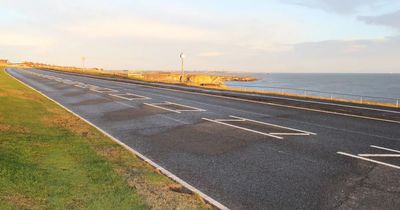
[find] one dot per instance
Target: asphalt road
(246, 155)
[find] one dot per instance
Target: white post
(83, 61)
(182, 56)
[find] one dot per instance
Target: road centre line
(383, 148)
(274, 125)
(369, 160)
(246, 129)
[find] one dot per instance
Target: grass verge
(50, 159)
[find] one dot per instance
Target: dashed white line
(274, 125)
(290, 134)
(190, 107)
(103, 90)
(379, 155)
(369, 160)
(155, 105)
(387, 149)
(136, 97)
(246, 129)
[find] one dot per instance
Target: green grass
(50, 159)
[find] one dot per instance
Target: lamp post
(83, 59)
(182, 56)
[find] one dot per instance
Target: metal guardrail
(332, 95)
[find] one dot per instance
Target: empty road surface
(243, 154)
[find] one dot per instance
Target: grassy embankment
(50, 159)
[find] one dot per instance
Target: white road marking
(230, 120)
(161, 106)
(137, 97)
(246, 129)
(190, 107)
(141, 156)
(383, 148)
(103, 90)
(274, 125)
(155, 105)
(369, 160)
(290, 134)
(80, 86)
(379, 155)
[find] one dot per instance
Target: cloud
(338, 6)
(374, 55)
(211, 54)
(21, 39)
(391, 19)
(136, 27)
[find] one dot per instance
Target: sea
(371, 87)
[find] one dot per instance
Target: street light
(83, 59)
(182, 56)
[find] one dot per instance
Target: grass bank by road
(50, 159)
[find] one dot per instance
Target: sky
(318, 36)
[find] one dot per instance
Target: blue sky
(233, 35)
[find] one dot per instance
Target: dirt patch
(17, 94)
(173, 196)
(13, 129)
(132, 113)
(63, 119)
(158, 194)
(179, 189)
(21, 201)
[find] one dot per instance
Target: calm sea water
(374, 85)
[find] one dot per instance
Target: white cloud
(137, 27)
(16, 38)
(211, 54)
(339, 6)
(390, 19)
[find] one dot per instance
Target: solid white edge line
(274, 125)
(246, 129)
(153, 105)
(369, 160)
(144, 158)
(387, 149)
(379, 155)
(264, 103)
